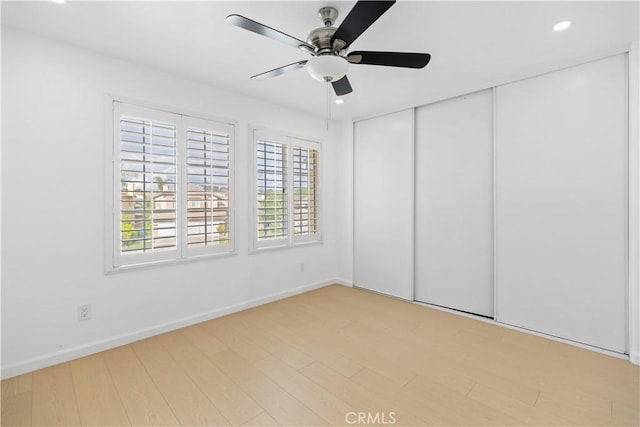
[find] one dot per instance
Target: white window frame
(290, 142)
(114, 260)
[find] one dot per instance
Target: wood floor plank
(205, 342)
(473, 413)
(358, 306)
(583, 399)
(372, 355)
(228, 397)
(526, 341)
(406, 400)
(262, 420)
(283, 407)
(187, 402)
(299, 339)
(235, 340)
(318, 399)
(143, 402)
(527, 414)
(16, 409)
(17, 385)
(563, 409)
(357, 396)
(626, 415)
(98, 400)
(54, 398)
(468, 368)
(294, 357)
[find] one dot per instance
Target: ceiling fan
(328, 45)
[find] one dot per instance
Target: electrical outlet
(301, 268)
(84, 312)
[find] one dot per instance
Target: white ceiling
(474, 45)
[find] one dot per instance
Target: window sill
(254, 251)
(150, 265)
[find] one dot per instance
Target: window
(286, 193)
(172, 183)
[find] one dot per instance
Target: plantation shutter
(305, 194)
(272, 202)
(147, 166)
(208, 178)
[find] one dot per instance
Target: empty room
(317, 213)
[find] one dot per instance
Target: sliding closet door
(383, 204)
(561, 230)
(454, 203)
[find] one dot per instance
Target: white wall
(53, 112)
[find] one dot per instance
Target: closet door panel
(561, 222)
(454, 203)
(383, 204)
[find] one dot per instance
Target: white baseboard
(343, 282)
(634, 358)
(66, 355)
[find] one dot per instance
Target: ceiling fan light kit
(327, 68)
(327, 45)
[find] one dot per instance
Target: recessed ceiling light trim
(339, 101)
(561, 26)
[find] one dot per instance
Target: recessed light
(59, 1)
(339, 101)
(561, 26)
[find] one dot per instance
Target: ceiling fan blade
(342, 86)
(258, 28)
(361, 16)
(390, 59)
(280, 70)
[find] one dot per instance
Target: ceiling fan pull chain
(328, 104)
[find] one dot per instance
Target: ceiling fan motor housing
(321, 39)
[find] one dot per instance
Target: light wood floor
(315, 358)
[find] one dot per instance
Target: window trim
(289, 141)
(182, 253)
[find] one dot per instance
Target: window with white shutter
(148, 211)
(172, 186)
(208, 172)
(286, 199)
(272, 198)
(305, 184)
